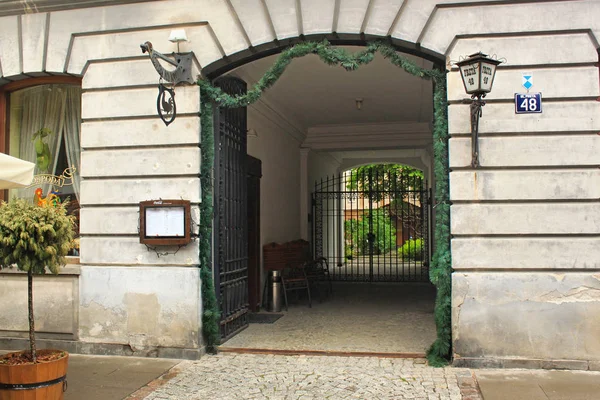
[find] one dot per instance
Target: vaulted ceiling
(315, 94)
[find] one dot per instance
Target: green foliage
(384, 177)
(333, 56)
(34, 238)
(383, 181)
(412, 249)
(441, 270)
(357, 231)
(210, 314)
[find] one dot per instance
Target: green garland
(441, 268)
(210, 309)
(440, 273)
(330, 55)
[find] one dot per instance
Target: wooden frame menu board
(165, 222)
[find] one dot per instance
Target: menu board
(165, 222)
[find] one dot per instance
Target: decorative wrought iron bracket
(181, 61)
(165, 102)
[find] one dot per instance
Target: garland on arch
(441, 269)
(334, 56)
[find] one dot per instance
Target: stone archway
(440, 272)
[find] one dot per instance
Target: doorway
(416, 139)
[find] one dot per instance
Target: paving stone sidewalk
(254, 376)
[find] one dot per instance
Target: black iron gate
(373, 225)
(231, 228)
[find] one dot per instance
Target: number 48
(529, 104)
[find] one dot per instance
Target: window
(42, 125)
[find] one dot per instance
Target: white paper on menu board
(165, 221)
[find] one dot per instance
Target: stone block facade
(525, 226)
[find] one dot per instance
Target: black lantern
(477, 73)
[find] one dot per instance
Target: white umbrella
(14, 172)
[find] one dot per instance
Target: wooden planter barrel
(41, 381)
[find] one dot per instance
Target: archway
(440, 274)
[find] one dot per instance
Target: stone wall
(526, 287)
(131, 299)
(524, 225)
(55, 303)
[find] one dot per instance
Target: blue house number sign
(529, 103)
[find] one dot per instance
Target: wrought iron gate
(373, 226)
(231, 229)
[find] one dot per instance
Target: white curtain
(58, 108)
(72, 133)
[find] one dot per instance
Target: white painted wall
(142, 307)
(525, 228)
(321, 167)
(55, 304)
(279, 153)
(130, 294)
(280, 182)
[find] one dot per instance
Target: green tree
(358, 234)
(34, 239)
(399, 184)
(382, 178)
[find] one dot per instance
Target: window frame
(7, 89)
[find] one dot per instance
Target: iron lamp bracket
(181, 61)
(477, 103)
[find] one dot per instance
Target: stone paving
(358, 317)
(250, 376)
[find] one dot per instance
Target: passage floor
(358, 317)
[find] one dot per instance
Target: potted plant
(35, 239)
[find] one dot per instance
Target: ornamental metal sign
(529, 103)
(57, 181)
(165, 104)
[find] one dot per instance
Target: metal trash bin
(276, 291)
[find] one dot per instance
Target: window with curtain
(44, 124)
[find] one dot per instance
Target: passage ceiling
(316, 94)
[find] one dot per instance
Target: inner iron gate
(373, 227)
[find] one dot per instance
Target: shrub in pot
(35, 239)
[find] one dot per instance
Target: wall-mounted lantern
(477, 72)
(165, 103)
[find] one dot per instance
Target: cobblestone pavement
(252, 376)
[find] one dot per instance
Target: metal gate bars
(231, 222)
(372, 224)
